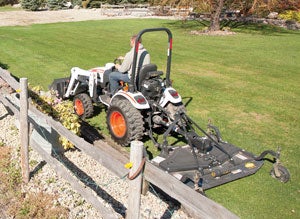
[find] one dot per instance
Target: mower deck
(216, 167)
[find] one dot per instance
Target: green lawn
(247, 83)
(9, 8)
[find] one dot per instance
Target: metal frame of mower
(209, 161)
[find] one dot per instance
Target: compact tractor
(149, 102)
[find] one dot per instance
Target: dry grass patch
(40, 205)
(245, 117)
(14, 203)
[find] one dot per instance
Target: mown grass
(247, 83)
(9, 8)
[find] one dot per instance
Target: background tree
(215, 14)
(215, 8)
(31, 5)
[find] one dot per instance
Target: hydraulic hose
(265, 153)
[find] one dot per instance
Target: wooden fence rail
(197, 205)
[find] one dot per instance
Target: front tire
(83, 105)
(125, 123)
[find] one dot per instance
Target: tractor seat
(147, 71)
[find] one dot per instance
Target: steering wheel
(118, 61)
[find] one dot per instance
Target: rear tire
(125, 123)
(83, 105)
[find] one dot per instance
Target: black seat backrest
(141, 76)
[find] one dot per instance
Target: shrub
(56, 4)
(291, 15)
(287, 5)
(32, 5)
(95, 4)
(62, 110)
(8, 2)
(76, 2)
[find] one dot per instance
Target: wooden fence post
(135, 185)
(24, 134)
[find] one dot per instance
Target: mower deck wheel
(283, 176)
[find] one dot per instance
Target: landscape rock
(273, 15)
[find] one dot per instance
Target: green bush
(56, 4)
(49, 103)
(32, 5)
(290, 15)
(76, 2)
(8, 2)
(95, 3)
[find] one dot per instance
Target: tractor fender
(136, 99)
(101, 70)
(170, 95)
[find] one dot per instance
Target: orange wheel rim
(117, 124)
(79, 108)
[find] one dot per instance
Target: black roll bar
(133, 86)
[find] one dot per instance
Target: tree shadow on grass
(233, 25)
(263, 29)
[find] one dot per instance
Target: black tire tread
(87, 104)
(134, 121)
(285, 175)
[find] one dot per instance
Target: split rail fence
(196, 205)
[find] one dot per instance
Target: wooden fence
(197, 205)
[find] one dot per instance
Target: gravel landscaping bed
(23, 18)
(112, 189)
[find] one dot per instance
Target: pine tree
(56, 4)
(31, 5)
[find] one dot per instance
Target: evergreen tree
(31, 5)
(56, 4)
